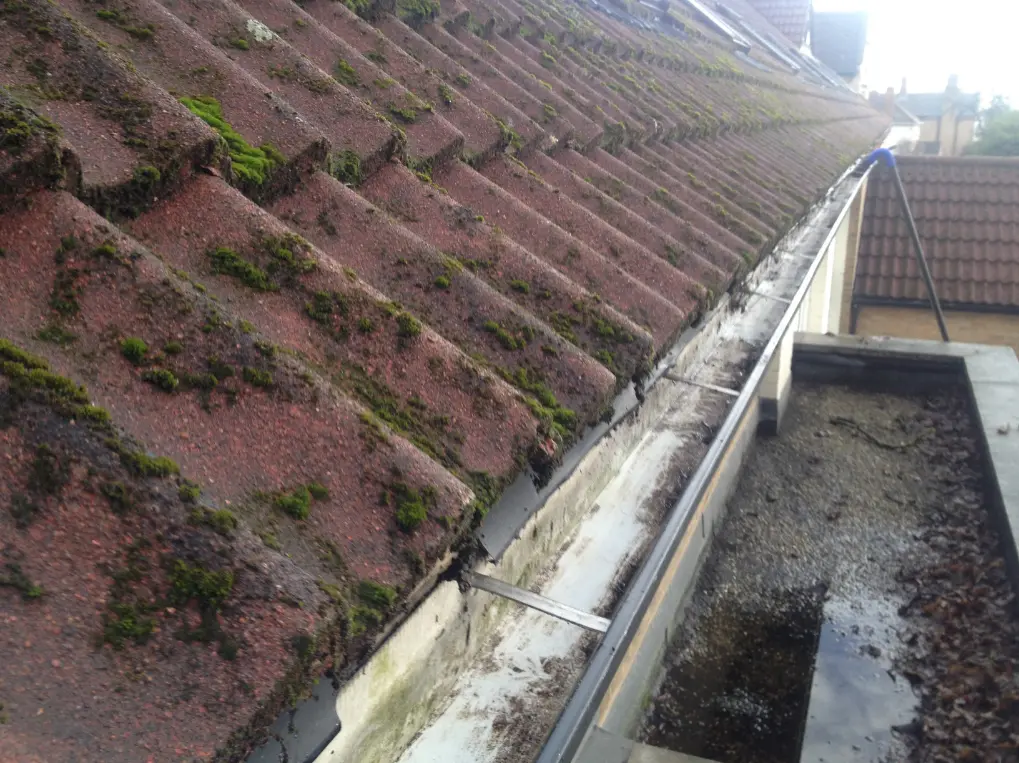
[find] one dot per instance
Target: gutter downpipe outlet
(578, 716)
(921, 261)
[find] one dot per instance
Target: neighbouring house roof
(790, 17)
(933, 105)
(290, 294)
(904, 116)
(839, 39)
(889, 103)
(966, 213)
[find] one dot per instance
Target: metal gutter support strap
(889, 161)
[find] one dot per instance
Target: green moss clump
(521, 286)
(30, 377)
(14, 354)
(318, 491)
(64, 295)
(288, 256)
(296, 504)
(92, 413)
(549, 111)
(146, 176)
(548, 60)
(249, 164)
(506, 339)
(347, 168)
(198, 381)
(119, 496)
(227, 262)
(146, 32)
(192, 582)
(411, 506)
(408, 326)
(16, 579)
(345, 74)
(257, 377)
(189, 491)
(106, 249)
(240, 43)
(446, 94)
(510, 137)
(223, 521)
(219, 369)
(143, 465)
(365, 325)
(463, 79)
(606, 358)
(162, 378)
(415, 13)
(19, 124)
(58, 388)
(376, 595)
(173, 348)
(362, 617)
(56, 334)
(405, 114)
(322, 308)
(543, 402)
(376, 57)
(442, 282)
(127, 622)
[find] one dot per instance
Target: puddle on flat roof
(855, 698)
(804, 682)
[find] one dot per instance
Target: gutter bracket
(536, 601)
(703, 385)
(772, 296)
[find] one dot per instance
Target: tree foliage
(999, 130)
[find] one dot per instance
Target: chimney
(888, 107)
(953, 84)
(902, 90)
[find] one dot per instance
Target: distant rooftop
(966, 214)
(933, 105)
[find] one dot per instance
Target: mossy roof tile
(355, 250)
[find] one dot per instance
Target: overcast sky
(927, 40)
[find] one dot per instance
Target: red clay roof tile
(965, 212)
(440, 327)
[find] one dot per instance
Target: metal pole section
(537, 601)
(921, 261)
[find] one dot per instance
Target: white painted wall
(822, 307)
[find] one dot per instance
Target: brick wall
(916, 323)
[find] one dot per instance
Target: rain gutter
(577, 718)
